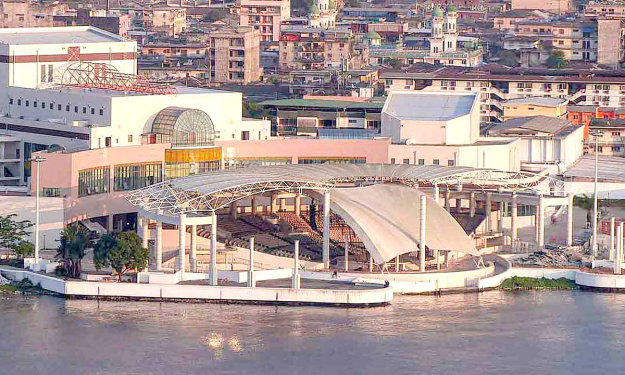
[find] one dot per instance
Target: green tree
(215, 15)
(12, 232)
(557, 59)
(509, 58)
(75, 240)
(123, 253)
(24, 249)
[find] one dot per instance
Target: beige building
(307, 48)
(235, 55)
(534, 106)
(265, 16)
(611, 138)
(20, 13)
(170, 20)
(596, 9)
(555, 6)
(611, 41)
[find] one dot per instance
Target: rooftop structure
(56, 35)
(406, 106)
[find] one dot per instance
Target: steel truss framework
(214, 190)
(107, 77)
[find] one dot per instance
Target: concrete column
(569, 221)
(536, 221)
(274, 203)
(346, 254)
(213, 277)
(109, 224)
(159, 243)
(233, 210)
(619, 250)
(458, 205)
(282, 204)
(370, 263)
(182, 239)
(254, 208)
(296, 282)
(437, 194)
(487, 211)
(298, 204)
(326, 229)
(145, 237)
(397, 263)
(513, 218)
(612, 239)
(193, 252)
(438, 263)
(422, 233)
(447, 199)
(472, 204)
(541, 223)
(251, 278)
(500, 217)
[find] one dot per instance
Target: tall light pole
(595, 213)
(37, 160)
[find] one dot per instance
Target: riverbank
(25, 288)
(528, 283)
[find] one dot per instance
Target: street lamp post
(595, 212)
(38, 159)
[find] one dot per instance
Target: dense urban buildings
(235, 55)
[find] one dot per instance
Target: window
(51, 107)
(421, 161)
(43, 105)
(76, 109)
(27, 103)
(93, 181)
(616, 149)
(130, 177)
(42, 78)
(35, 104)
(19, 101)
(436, 162)
(530, 108)
(11, 101)
(93, 111)
(84, 110)
(51, 192)
(67, 108)
(129, 138)
(101, 112)
(616, 134)
(107, 142)
(451, 163)
(406, 161)
(245, 135)
(392, 160)
(50, 72)
(59, 107)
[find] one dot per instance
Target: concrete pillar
(438, 263)
(282, 204)
(619, 250)
(472, 204)
(513, 218)
(370, 263)
(298, 204)
(458, 205)
(213, 277)
(251, 277)
(296, 282)
(145, 237)
(326, 229)
(541, 222)
(254, 208)
(500, 217)
(397, 263)
(487, 211)
(612, 239)
(274, 203)
(569, 221)
(182, 239)
(159, 243)
(233, 210)
(447, 199)
(346, 254)
(437, 194)
(109, 224)
(422, 233)
(193, 252)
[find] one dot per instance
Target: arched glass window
(184, 127)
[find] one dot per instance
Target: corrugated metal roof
(610, 168)
(57, 35)
(433, 107)
(542, 124)
(537, 100)
(320, 103)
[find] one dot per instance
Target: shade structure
(386, 217)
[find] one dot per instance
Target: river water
(489, 333)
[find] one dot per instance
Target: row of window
(50, 106)
(125, 177)
(450, 162)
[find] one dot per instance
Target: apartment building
(610, 137)
(534, 106)
(21, 13)
(308, 48)
(265, 16)
(507, 21)
(603, 88)
(578, 40)
(555, 6)
(598, 9)
(171, 21)
(114, 23)
(611, 42)
(235, 55)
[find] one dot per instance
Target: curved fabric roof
(387, 219)
(214, 190)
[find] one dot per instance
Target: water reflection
(549, 332)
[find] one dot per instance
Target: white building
(75, 87)
(443, 129)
